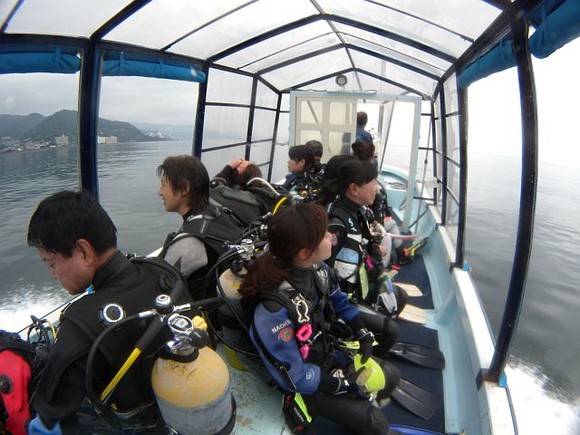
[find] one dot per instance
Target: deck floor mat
(416, 273)
(428, 379)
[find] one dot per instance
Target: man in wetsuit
(185, 190)
(77, 240)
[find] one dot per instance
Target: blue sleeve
(36, 427)
(276, 331)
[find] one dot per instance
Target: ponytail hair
(363, 150)
(291, 229)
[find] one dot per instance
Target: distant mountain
(44, 129)
(16, 126)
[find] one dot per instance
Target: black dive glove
(351, 383)
(365, 339)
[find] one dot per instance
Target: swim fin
(412, 290)
(415, 399)
(413, 314)
(411, 250)
(420, 355)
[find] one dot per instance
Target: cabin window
(265, 97)
(263, 125)
(225, 126)
(225, 87)
(141, 121)
(38, 156)
(260, 154)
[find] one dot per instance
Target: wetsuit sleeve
(276, 332)
(224, 177)
(61, 389)
(338, 234)
(187, 254)
(342, 306)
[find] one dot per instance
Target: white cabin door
(327, 118)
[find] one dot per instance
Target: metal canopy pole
(463, 177)
(527, 199)
(90, 84)
(197, 145)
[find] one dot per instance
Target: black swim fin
(420, 355)
(415, 399)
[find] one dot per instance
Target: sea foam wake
(537, 410)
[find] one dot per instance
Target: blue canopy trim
(35, 58)
(48, 59)
(555, 29)
(119, 64)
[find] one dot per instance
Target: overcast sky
(493, 104)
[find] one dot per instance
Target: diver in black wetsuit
(78, 242)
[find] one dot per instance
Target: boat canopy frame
(357, 36)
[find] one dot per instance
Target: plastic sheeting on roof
(378, 38)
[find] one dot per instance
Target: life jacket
(243, 203)
(359, 262)
(380, 206)
(19, 372)
(349, 259)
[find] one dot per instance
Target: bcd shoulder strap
(217, 228)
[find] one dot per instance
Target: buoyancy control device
(190, 381)
(21, 364)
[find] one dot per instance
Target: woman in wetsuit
(298, 311)
(349, 187)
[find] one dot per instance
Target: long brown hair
(291, 229)
(251, 171)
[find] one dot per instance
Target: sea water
(543, 372)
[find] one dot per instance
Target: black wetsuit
(61, 389)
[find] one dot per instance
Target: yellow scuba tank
(192, 384)
(230, 282)
(231, 314)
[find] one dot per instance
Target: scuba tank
(231, 314)
(191, 382)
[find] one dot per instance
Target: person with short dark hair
(361, 122)
(363, 150)
(300, 160)
(77, 240)
(185, 190)
(298, 304)
(318, 150)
